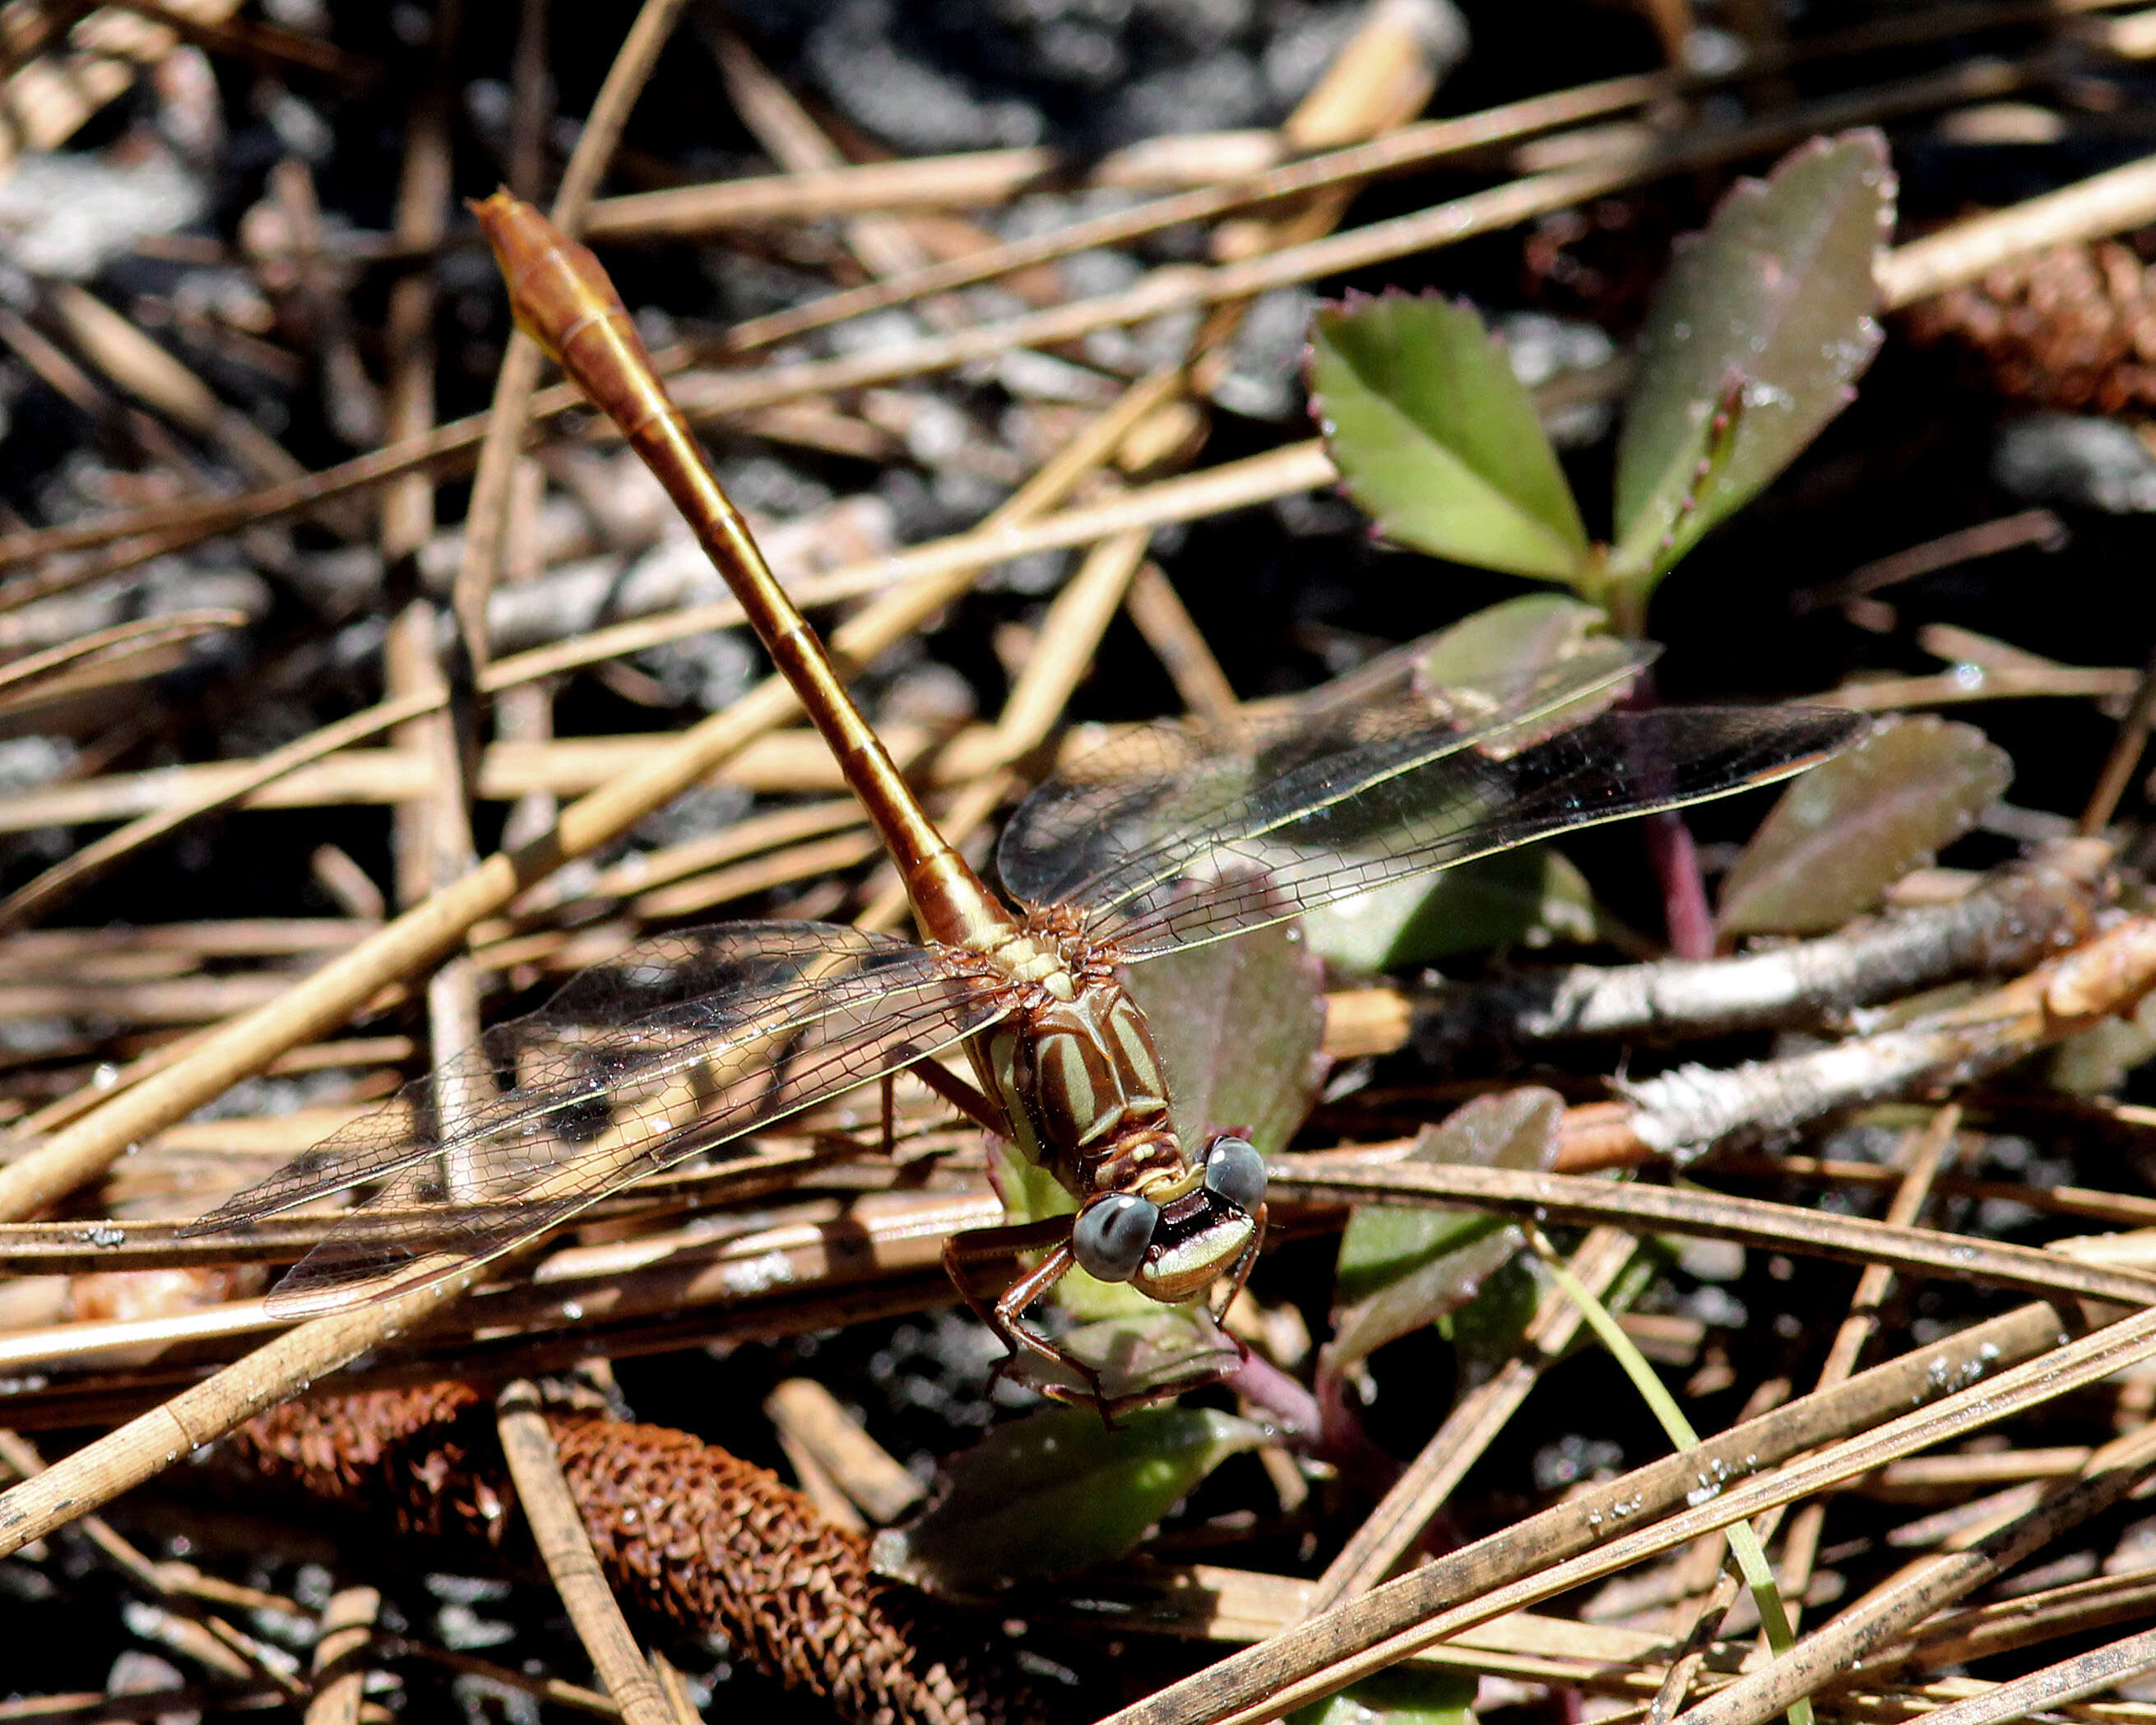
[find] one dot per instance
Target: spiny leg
(953, 1090)
(961, 1096)
(1200, 1376)
(1005, 1317)
(1239, 1273)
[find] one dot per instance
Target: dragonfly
(1175, 835)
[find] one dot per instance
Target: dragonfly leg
(1240, 1273)
(961, 1096)
(1005, 1317)
(1114, 1405)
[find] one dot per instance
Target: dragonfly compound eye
(1111, 1235)
(1234, 1170)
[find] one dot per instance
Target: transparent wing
(1142, 810)
(1285, 826)
(683, 1042)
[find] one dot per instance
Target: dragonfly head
(1175, 1239)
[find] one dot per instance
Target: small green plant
(1742, 1539)
(1056, 1492)
(1756, 339)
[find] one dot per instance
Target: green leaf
(1138, 1348)
(1401, 1268)
(1056, 1492)
(1754, 341)
(1514, 1128)
(1437, 440)
(1529, 896)
(1743, 1540)
(1239, 1027)
(1496, 649)
(1029, 1191)
(1405, 1695)
(1843, 834)
(1436, 1273)
(1488, 1330)
(1504, 643)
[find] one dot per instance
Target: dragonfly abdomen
(563, 298)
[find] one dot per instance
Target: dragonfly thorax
(1082, 1084)
(1034, 957)
(1083, 1087)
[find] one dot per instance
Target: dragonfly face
(1083, 1096)
(1174, 1240)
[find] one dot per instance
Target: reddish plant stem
(1272, 1391)
(1687, 921)
(1686, 915)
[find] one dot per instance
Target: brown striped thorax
(1077, 1076)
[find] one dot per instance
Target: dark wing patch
(1145, 810)
(682, 1043)
(1388, 807)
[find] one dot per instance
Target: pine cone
(686, 1534)
(2073, 327)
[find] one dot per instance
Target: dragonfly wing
(682, 1043)
(1380, 811)
(1135, 812)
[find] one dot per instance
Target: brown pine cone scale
(2072, 328)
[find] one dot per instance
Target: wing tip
(228, 1218)
(271, 1197)
(1834, 728)
(347, 1282)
